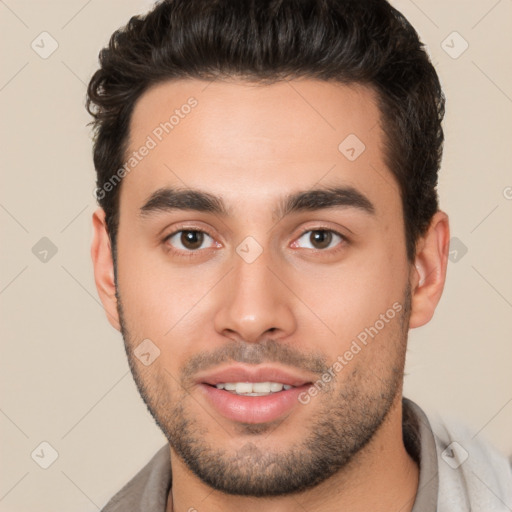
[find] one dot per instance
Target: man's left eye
(320, 239)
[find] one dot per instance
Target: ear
(101, 254)
(429, 272)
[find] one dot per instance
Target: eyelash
(194, 253)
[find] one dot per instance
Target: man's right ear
(101, 254)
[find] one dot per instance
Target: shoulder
(473, 474)
(147, 491)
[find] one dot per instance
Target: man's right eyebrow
(167, 199)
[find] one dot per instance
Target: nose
(255, 302)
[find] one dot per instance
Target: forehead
(241, 140)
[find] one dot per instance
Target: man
(268, 232)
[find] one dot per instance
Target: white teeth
(275, 386)
(263, 387)
(253, 388)
(243, 387)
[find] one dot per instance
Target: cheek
(350, 299)
(159, 299)
(359, 290)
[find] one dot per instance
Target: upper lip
(238, 373)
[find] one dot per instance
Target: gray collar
(420, 444)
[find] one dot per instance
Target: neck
(381, 477)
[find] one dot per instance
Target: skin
(251, 145)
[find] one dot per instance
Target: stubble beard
(344, 423)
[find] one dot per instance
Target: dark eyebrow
(166, 199)
(329, 197)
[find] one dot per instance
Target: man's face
(259, 292)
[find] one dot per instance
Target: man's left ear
(429, 273)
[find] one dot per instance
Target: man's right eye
(188, 240)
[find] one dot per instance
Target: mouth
(253, 394)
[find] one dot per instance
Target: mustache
(265, 351)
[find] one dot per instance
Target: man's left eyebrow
(321, 198)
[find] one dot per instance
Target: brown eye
(192, 239)
(320, 239)
(188, 240)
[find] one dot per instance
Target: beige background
(65, 379)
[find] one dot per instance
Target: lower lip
(253, 409)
